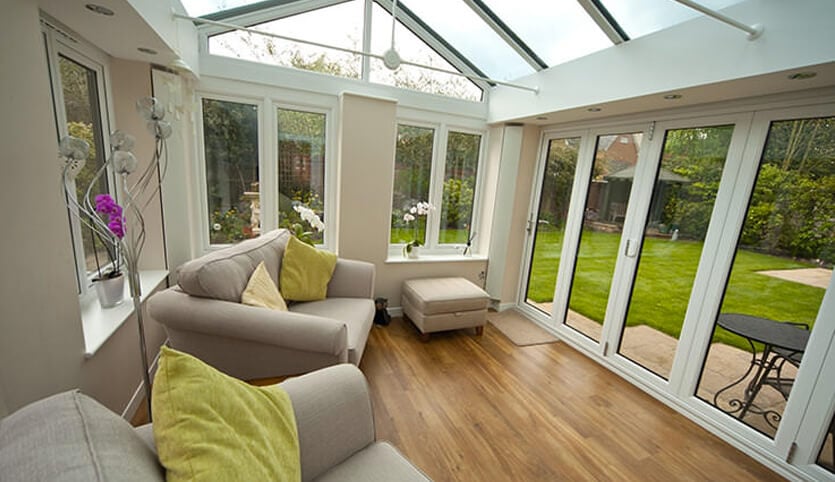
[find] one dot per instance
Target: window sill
(99, 324)
(435, 258)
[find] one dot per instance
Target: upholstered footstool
(440, 304)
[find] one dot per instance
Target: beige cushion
(444, 295)
(261, 291)
(224, 274)
(379, 462)
(356, 313)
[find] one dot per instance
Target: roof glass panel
(198, 8)
(412, 48)
(643, 17)
(456, 23)
(556, 31)
(339, 25)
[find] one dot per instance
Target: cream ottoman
(440, 304)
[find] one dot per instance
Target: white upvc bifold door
(692, 256)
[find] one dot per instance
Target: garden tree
(230, 138)
(792, 209)
(559, 177)
(697, 154)
(412, 169)
(78, 88)
(459, 184)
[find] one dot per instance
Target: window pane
(556, 31)
(301, 169)
(339, 25)
(826, 455)
(81, 105)
(459, 25)
(606, 202)
(679, 214)
(412, 173)
(412, 48)
(782, 266)
(554, 199)
(643, 17)
(230, 140)
(459, 187)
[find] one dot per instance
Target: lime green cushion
(210, 426)
(261, 291)
(305, 272)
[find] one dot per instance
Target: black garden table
(783, 342)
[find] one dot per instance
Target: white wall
(702, 51)
(42, 346)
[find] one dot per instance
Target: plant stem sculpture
(135, 197)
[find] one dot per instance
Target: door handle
(631, 248)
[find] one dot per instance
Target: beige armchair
(203, 316)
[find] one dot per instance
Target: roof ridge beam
(607, 23)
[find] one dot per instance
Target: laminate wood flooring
(467, 408)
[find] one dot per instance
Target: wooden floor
(466, 408)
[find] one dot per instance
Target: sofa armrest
(333, 416)
(352, 279)
(298, 331)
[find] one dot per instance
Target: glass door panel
(826, 455)
(554, 199)
(606, 201)
(685, 189)
(781, 269)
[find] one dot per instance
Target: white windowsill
(435, 258)
(99, 323)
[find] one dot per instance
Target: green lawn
(664, 280)
(448, 236)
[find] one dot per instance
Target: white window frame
(268, 100)
(60, 43)
(442, 129)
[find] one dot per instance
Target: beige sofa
(71, 437)
(203, 316)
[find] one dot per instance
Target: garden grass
(664, 280)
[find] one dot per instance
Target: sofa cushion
(224, 274)
(305, 272)
(71, 437)
(210, 426)
(379, 462)
(261, 291)
(356, 313)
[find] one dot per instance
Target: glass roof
(500, 39)
(459, 25)
(643, 17)
(559, 32)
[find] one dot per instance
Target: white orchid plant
(422, 208)
(312, 219)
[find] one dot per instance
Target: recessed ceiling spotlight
(802, 75)
(672, 96)
(99, 9)
(542, 117)
(594, 109)
(146, 50)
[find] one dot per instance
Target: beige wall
(42, 346)
(521, 206)
(367, 132)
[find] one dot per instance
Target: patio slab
(817, 277)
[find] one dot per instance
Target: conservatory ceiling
(499, 39)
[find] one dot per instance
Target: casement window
(247, 191)
(79, 78)
(439, 165)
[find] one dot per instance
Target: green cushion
(305, 272)
(210, 426)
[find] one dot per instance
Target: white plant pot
(111, 291)
(414, 253)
